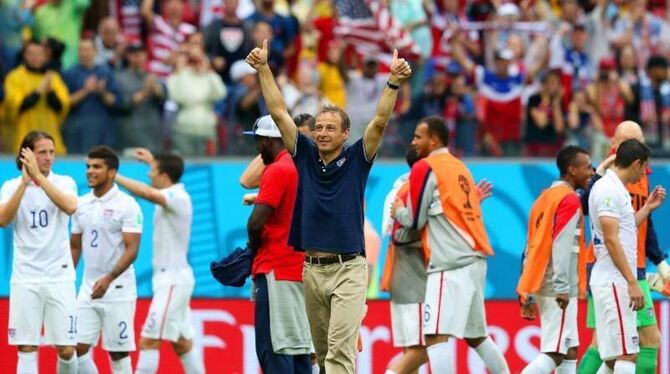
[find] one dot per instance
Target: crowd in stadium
(511, 78)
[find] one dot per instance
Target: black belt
(329, 260)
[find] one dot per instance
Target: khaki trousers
(335, 302)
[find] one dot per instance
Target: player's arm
(9, 208)
(655, 199)
(255, 224)
(131, 241)
(566, 222)
(421, 186)
(654, 252)
(258, 59)
(75, 248)
(64, 201)
(251, 176)
(610, 226)
(374, 132)
(142, 190)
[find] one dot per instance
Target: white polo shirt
(172, 232)
(102, 222)
(609, 198)
(41, 239)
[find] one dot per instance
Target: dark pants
(271, 362)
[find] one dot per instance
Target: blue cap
(234, 269)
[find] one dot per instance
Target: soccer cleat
(656, 283)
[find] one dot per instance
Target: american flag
(369, 27)
(127, 13)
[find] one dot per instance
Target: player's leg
(88, 324)
(476, 332)
(569, 363)
(118, 334)
(591, 361)
(650, 336)
(26, 307)
(152, 331)
(437, 341)
(616, 327)
(406, 321)
(180, 332)
(347, 308)
(60, 323)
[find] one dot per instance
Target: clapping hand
(29, 162)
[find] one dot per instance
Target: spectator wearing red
(500, 94)
(545, 123)
(609, 95)
(167, 31)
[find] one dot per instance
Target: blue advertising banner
(220, 219)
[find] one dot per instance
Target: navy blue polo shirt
(328, 214)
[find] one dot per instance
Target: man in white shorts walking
(42, 293)
(614, 286)
(169, 317)
(549, 278)
(442, 195)
(107, 227)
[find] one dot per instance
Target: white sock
(147, 363)
(439, 358)
(67, 366)
(192, 362)
(624, 367)
(316, 369)
(27, 363)
(389, 371)
(122, 366)
(492, 357)
(567, 367)
(542, 364)
(86, 364)
(604, 369)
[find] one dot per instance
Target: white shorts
(114, 318)
(53, 305)
(406, 324)
(559, 326)
(454, 302)
(169, 315)
(616, 321)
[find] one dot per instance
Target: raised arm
(64, 201)
(258, 59)
(140, 189)
(655, 199)
(374, 132)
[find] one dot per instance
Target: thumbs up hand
(400, 69)
(258, 56)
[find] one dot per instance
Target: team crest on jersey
(11, 333)
(107, 213)
(341, 162)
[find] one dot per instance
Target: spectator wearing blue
(94, 96)
(328, 215)
(283, 29)
(14, 16)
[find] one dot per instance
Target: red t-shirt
(278, 189)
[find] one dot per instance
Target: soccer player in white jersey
(614, 286)
(39, 203)
(169, 315)
(107, 228)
